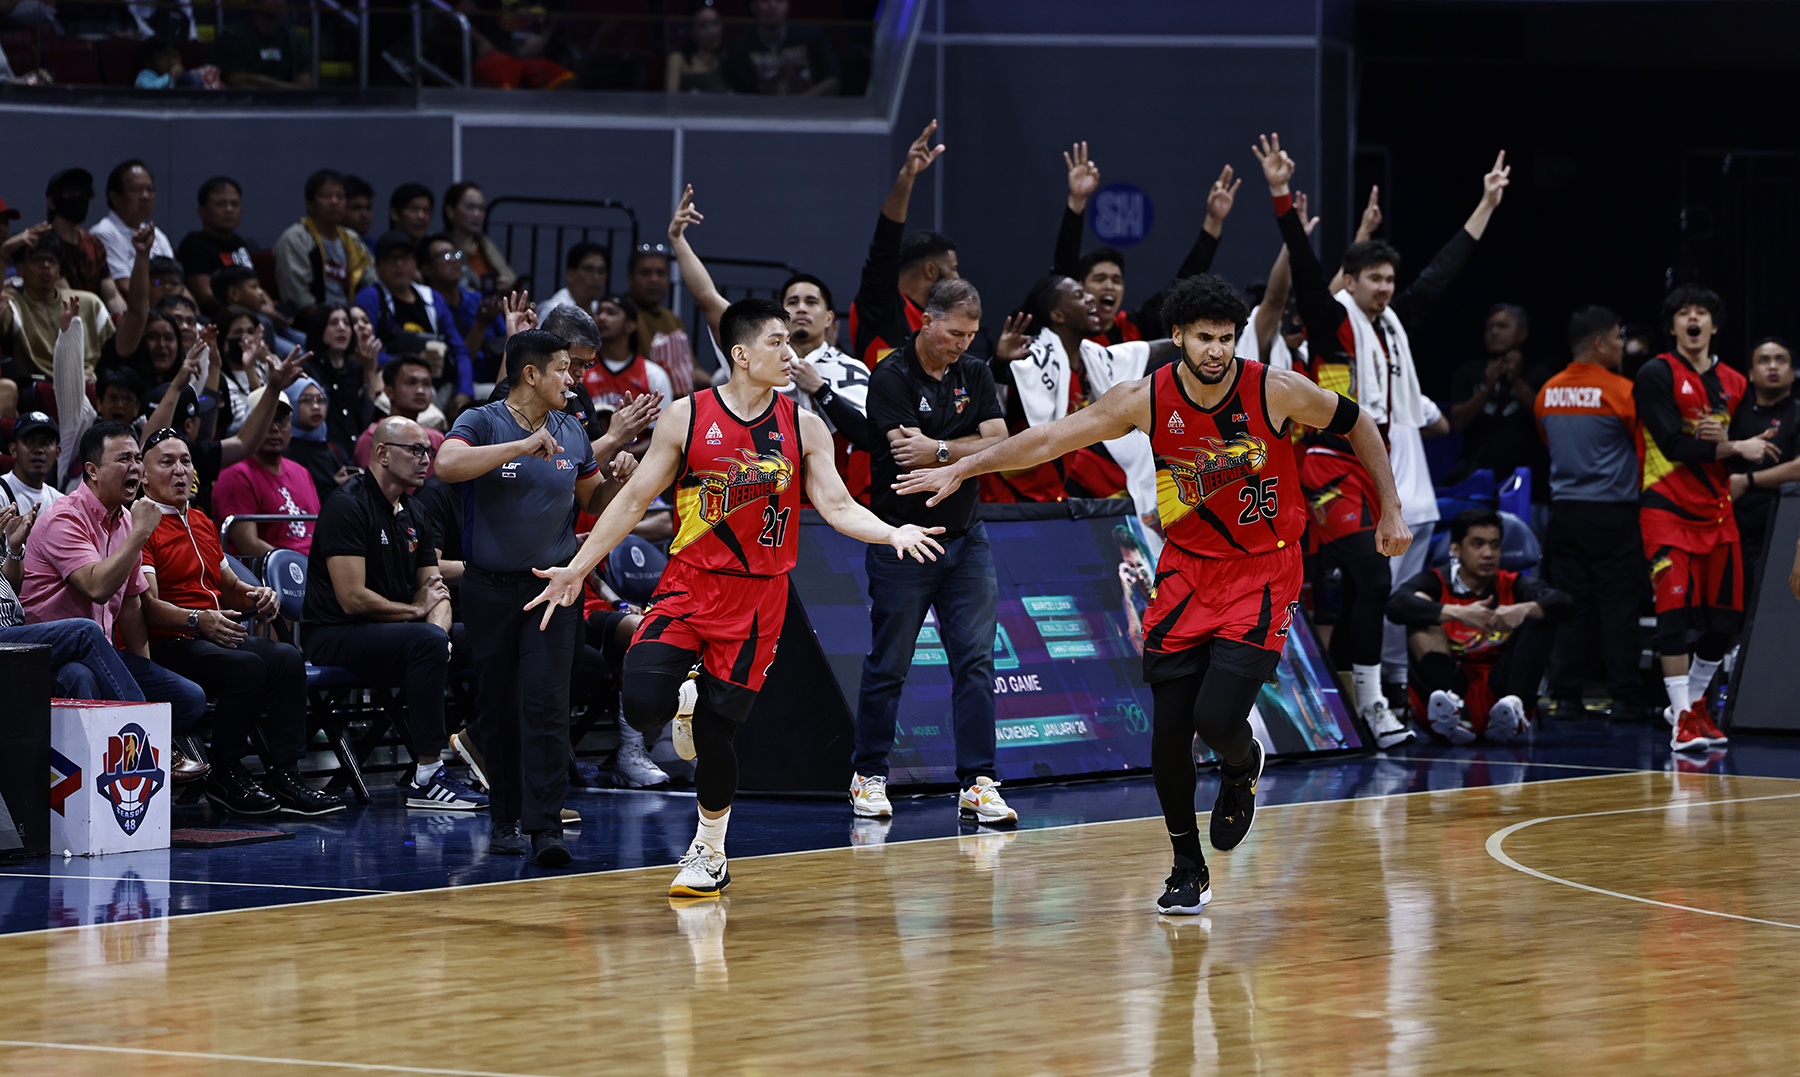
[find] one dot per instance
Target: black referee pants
(1595, 554)
(522, 695)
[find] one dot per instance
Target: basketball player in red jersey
(738, 456)
(1228, 581)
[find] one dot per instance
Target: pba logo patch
(130, 775)
(1217, 464)
(563, 464)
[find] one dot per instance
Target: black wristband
(1345, 419)
(824, 396)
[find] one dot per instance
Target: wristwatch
(193, 620)
(943, 453)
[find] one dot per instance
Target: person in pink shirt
(84, 560)
(268, 483)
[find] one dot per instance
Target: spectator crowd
(181, 417)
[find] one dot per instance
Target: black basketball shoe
(1235, 809)
(1187, 890)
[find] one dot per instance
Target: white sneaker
(682, 733)
(1669, 715)
(868, 797)
(703, 873)
(1507, 720)
(981, 803)
(1389, 730)
(633, 768)
(1445, 715)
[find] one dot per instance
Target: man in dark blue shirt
(525, 466)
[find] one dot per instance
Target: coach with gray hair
(934, 404)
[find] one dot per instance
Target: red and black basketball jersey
(617, 390)
(1691, 495)
(1470, 644)
(1227, 484)
(737, 500)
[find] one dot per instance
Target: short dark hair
(390, 373)
(422, 249)
(1095, 257)
(1588, 323)
(317, 181)
(1517, 312)
(646, 250)
(1040, 301)
(1370, 252)
(1469, 519)
(213, 184)
(579, 252)
(922, 246)
(1779, 343)
(807, 278)
(357, 187)
(406, 192)
(115, 180)
(46, 243)
(533, 347)
(122, 376)
(1206, 297)
(170, 302)
(1692, 295)
(93, 443)
(225, 278)
(394, 242)
(574, 325)
(950, 293)
(160, 266)
(744, 319)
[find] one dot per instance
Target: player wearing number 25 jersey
(737, 504)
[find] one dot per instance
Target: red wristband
(1283, 203)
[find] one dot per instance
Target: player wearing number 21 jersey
(1228, 580)
(739, 457)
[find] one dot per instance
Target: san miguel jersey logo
(130, 775)
(755, 477)
(1216, 464)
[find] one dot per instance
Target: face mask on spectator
(73, 208)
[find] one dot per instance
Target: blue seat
(242, 571)
(1515, 493)
(1478, 491)
(1519, 549)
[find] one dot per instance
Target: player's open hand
(1392, 536)
(921, 154)
(1307, 223)
(563, 589)
(520, 314)
(917, 541)
(939, 482)
(1222, 195)
(71, 309)
(1014, 338)
(1277, 166)
(630, 421)
(1084, 174)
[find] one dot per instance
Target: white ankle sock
(712, 831)
(1366, 682)
(1677, 687)
(1700, 674)
(423, 772)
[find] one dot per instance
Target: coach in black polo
(934, 405)
(524, 464)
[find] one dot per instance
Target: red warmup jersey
(737, 500)
(617, 390)
(1469, 644)
(1226, 481)
(1687, 501)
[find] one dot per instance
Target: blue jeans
(83, 662)
(187, 700)
(960, 585)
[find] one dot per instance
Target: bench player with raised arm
(1228, 581)
(739, 456)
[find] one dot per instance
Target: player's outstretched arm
(825, 489)
(660, 466)
(1294, 396)
(1122, 409)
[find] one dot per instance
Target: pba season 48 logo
(750, 477)
(1216, 464)
(130, 775)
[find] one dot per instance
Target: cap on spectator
(624, 304)
(7, 213)
(70, 178)
(281, 401)
(34, 420)
(188, 405)
(390, 242)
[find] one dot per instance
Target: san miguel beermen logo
(755, 477)
(1216, 465)
(130, 775)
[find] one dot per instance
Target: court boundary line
(792, 852)
(196, 882)
(366, 1067)
(1498, 838)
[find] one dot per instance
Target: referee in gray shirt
(525, 466)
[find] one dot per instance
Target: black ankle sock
(1239, 769)
(1188, 845)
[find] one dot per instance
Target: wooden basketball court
(1621, 923)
